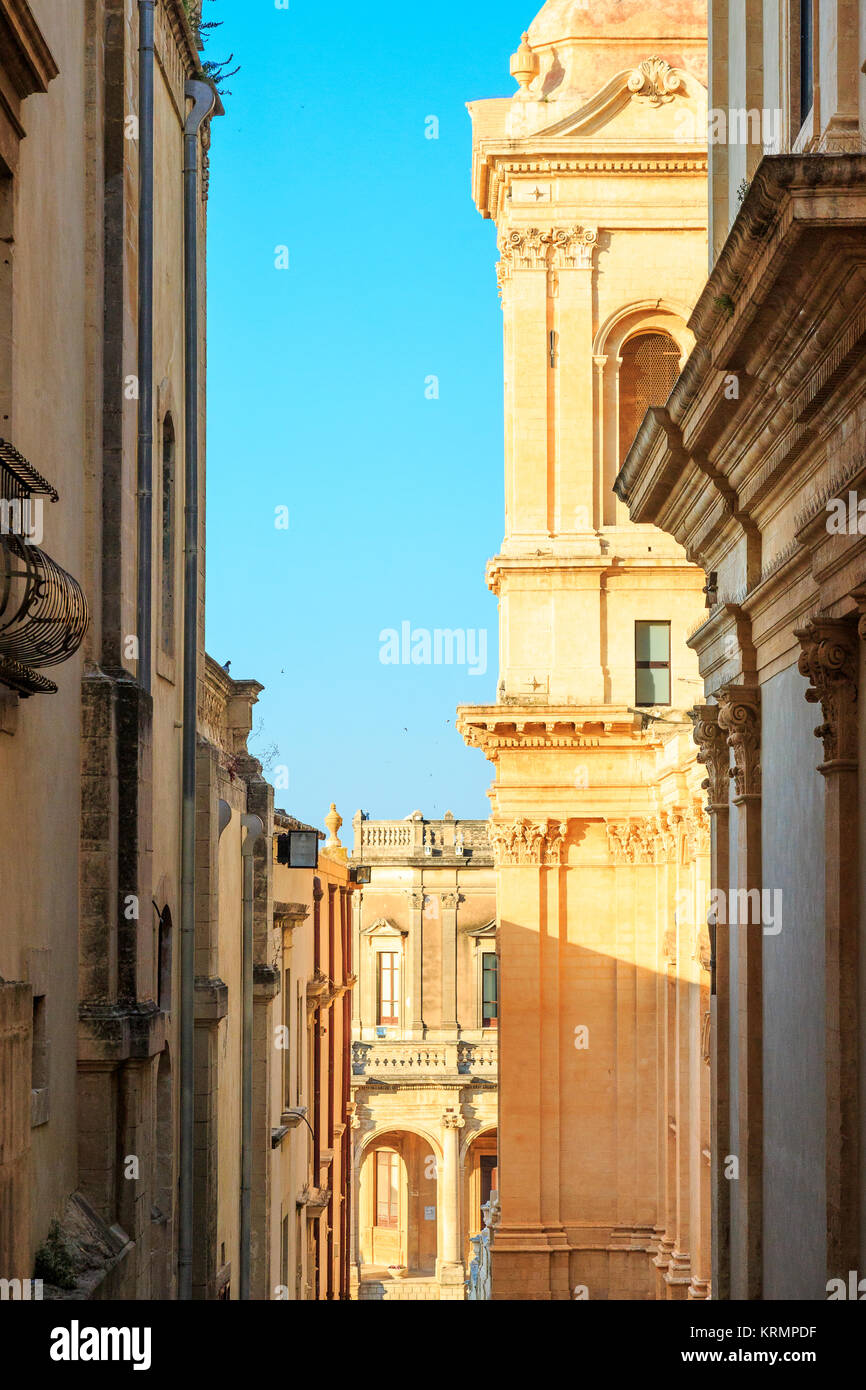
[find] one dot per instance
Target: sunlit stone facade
(598, 828)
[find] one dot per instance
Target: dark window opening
(164, 960)
(39, 1053)
(489, 990)
(167, 616)
(652, 642)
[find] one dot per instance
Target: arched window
(163, 960)
(650, 364)
(167, 611)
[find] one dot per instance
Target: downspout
(204, 98)
(145, 340)
(255, 829)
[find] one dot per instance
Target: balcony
(416, 1063)
(43, 611)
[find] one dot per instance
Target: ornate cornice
(829, 659)
(713, 755)
(526, 841)
(740, 719)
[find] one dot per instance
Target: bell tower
(594, 173)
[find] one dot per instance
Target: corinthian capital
(572, 247)
(740, 719)
(829, 660)
(713, 754)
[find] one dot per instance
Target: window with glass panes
(387, 1188)
(652, 643)
(389, 988)
(489, 990)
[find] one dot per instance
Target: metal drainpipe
(254, 829)
(145, 340)
(204, 97)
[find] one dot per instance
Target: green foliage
(212, 71)
(726, 304)
(53, 1260)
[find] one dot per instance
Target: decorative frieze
(740, 719)
(659, 839)
(528, 842)
(829, 660)
(537, 248)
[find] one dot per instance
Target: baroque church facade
(595, 175)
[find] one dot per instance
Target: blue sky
(317, 379)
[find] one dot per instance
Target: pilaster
(829, 658)
(714, 754)
(740, 720)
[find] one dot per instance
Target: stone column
(450, 1261)
(448, 912)
(715, 756)
(740, 719)
(415, 1021)
(830, 660)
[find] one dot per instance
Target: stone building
(312, 1165)
(594, 173)
(97, 364)
(425, 1027)
(129, 804)
(756, 466)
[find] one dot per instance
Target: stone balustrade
(396, 1060)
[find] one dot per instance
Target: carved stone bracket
(714, 755)
(829, 660)
(740, 719)
(528, 842)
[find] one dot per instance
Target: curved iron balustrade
(43, 611)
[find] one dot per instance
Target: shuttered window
(650, 366)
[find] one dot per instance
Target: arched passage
(398, 1204)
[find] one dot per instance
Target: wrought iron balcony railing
(43, 611)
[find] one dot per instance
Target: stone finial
(333, 821)
(524, 64)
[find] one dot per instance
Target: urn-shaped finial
(333, 821)
(524, 64)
